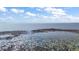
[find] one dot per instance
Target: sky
(39, 14)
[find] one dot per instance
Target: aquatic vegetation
(41, 42)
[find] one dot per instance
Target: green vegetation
(59, 45)
(40, 42)
(51, 45)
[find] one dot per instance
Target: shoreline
(12, 34)
(17, 32)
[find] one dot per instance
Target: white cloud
(7, 19)
(38, 9)
(73, 18)
(17, 10)
(59, 15)
(65, 19)
(30, 14)
(45, 16)
(55, 11)
(2, 9)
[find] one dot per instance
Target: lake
(52, 40)
(31, 26)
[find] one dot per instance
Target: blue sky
(39, 14)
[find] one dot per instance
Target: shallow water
(30, 41)
(57, 35)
